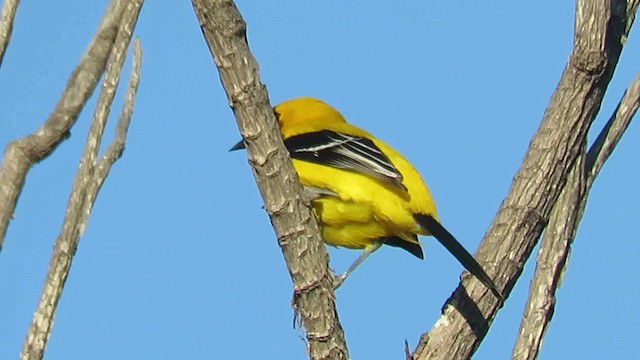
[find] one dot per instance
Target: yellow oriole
(366, 193)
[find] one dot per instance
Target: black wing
(344, 151)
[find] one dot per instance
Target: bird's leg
(310, 193)
(338, 280)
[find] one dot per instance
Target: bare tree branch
(6, 25)
(552, 257)
(115, 149)
(611, 134)
(87, 184)
(23, 153)
(563, 224)
(630, 11)
(295, 225)
(600, 29)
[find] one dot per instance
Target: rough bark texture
(87, 183)
(553, 254)
(7, 17)
(601, 27)
(563, 224)
(295, 225)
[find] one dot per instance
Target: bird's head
(305, 110)
(303, 113)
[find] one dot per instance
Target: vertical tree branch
(87, 184)
(6, 25)
(600, 29)
(295, 225)
(23, 153)
(563, 224)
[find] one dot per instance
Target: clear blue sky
(179, 260)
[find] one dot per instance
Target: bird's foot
(310, 193)
(339, 279)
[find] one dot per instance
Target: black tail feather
(458, 251)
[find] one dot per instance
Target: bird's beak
(238, 146)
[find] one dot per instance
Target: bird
(365, 194)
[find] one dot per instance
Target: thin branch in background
(296, 228)
(552, 256)
(20, 155)
(563, 224)
(115, 149)
(7, 18)
(600, 29)
(610, 135)
(89, 179)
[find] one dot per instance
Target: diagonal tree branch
(552, 256)
(600, 29)
(563, 224)
(89, 179)
(611, 134)
(294, 224)
(6, 25)
(20, 155)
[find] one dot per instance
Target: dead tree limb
(92, 173)
(20, 155)
(7, 17)
(294, 224)
(601, 27)
(563, 225)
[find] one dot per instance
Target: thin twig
(20, 155)
(563, 224)
(610, 135)
(115, 149)
(87, 184)
(6, 25)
